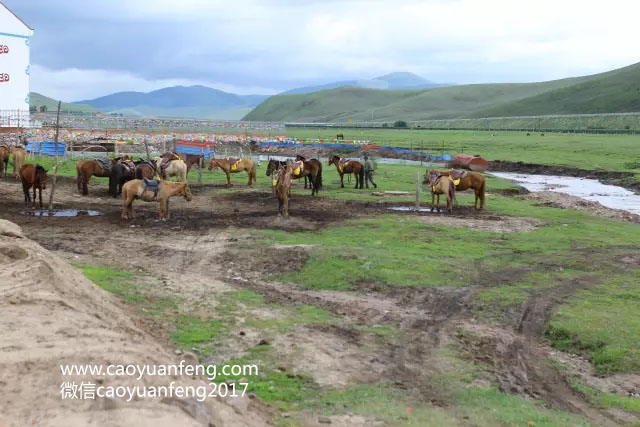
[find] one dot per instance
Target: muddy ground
(195, 257)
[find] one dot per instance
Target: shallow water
(65, 212)
(409, 209)
(610, 196)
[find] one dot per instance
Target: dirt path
(190, 258)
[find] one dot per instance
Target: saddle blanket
(151, 184)
(233, 163)
(104, 163)
(297, 167)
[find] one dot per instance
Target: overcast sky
(87, 48)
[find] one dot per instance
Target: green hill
(614, 91)
(38, 100)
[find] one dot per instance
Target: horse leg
(249, 175)
(438, 202)
(228, 179)
(125, 207)
(85, 183)
(39, 194)
(433, 200)
(25, 190)
(163, 211)
(341, 180)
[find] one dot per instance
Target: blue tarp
(185, 149)
(48, 148)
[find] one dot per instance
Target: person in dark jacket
(368, 172)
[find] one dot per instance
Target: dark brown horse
(33, 176)
(85, 169)
(145, 169)
(191, 160)
(463, 181)
(319, 176)
(121, 172)
(347, 167)
(4, 159)
(340, 136)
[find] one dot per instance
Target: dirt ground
(190, 257)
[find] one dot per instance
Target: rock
(178, 352)
(324, 420)
(263, 342)
(9, 229)
(242, 333)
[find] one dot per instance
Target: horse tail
(482, 188)
(138, 172)
(361, 175)
(253, 172)
(319, 176)
(452, 191)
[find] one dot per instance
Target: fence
(46, 148)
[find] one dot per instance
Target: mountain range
(610, 92)
(393, 81)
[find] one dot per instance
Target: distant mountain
(616, 91)
(178, 101)
(38, 100)
(399, 80)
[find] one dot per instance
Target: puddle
(65, 212)
(408, 209)
(610, 196)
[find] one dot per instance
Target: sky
(83, 49)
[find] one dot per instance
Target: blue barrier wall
(48, 148)
(185, 149)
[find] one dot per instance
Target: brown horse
(441, 184)
(340, 136)
(347, 167)
(145, 169)
(33, 176)
(283, 188)
(138, 189)
(4, 159)
(192, 159)
(19, 154)
(85, 169)
(311, 162)
(274, 169)
(465, 180)
(230, 165)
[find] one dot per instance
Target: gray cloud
(275, 45)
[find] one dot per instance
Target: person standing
(368, 172)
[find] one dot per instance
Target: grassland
(610, 92)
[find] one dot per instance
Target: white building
(15, 37)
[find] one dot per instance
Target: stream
(610, 196)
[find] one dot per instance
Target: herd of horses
(134, 179)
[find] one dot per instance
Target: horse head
(186, 192)
(213, 164)
(431, 176)
(299, 157)
(272, 167)
(334, 159)
(41, 177)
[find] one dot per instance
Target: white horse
(177, 168)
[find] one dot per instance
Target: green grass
(193, 331)
(585, 151)
(115, 282)
(585, 324)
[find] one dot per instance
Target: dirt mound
(53, 316)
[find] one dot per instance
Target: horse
(347, 167)
(145, 169)
(340, 136)
(33, 176)
(192, 159)
(137, 189)
(283, 188)
(85, 169)
(4, 159)
(441, 184)
(19, 154)
(121, 172)
(177, 168)
(466, 180)
(274, 169)
(230, 165)
(318, 175)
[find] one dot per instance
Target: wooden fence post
(417, 189)
(200, 164)
(146, 147)
(55, 170)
